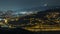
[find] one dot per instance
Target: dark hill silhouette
(41, 15)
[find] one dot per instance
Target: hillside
(43, 20)
(51, 14)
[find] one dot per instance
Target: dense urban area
(40, 21)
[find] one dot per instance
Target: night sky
(20, 4)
